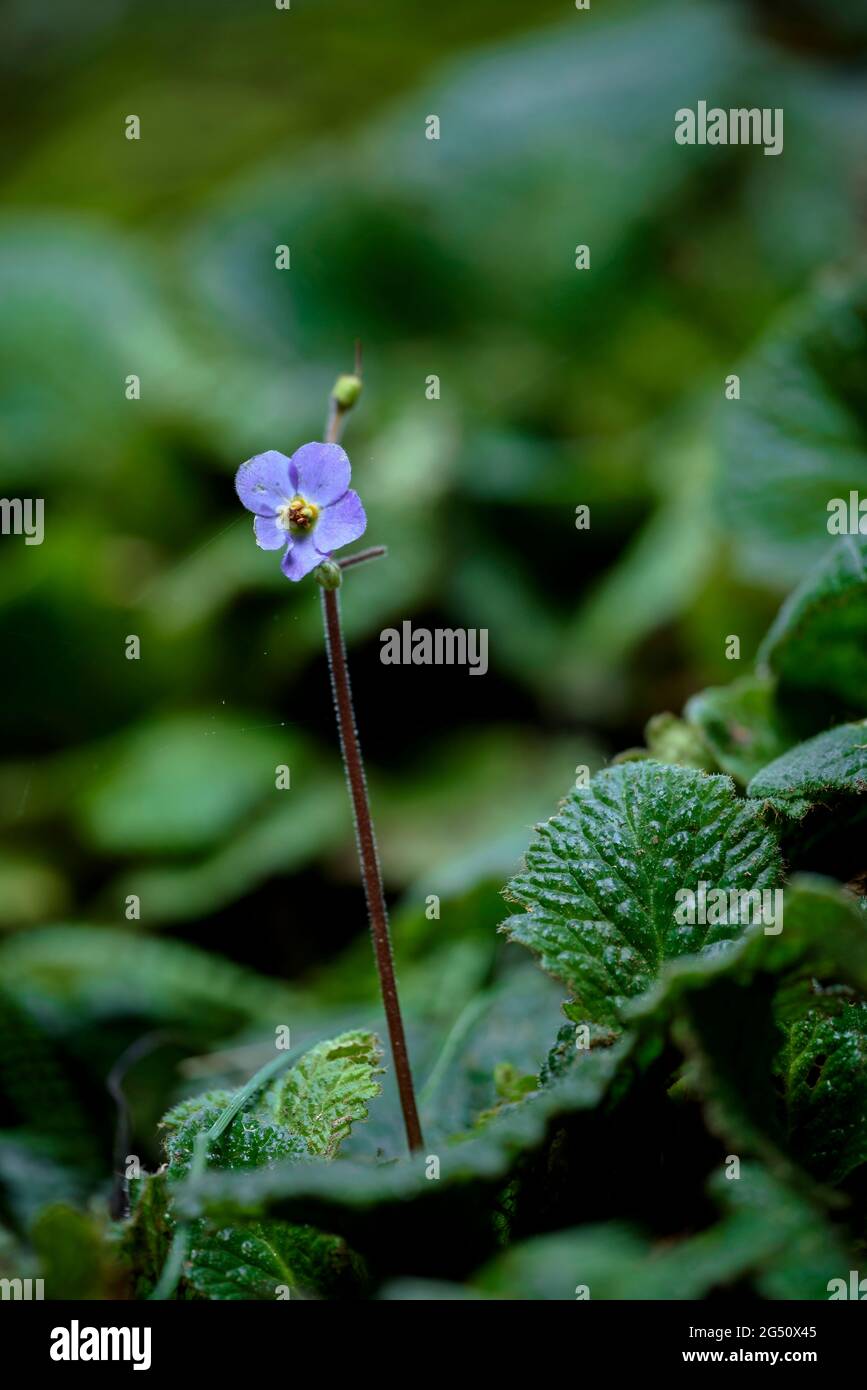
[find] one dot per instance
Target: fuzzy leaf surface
(265, 1258)
(252, 1140)
(817, 645)
(822, 769)
(601, 879)
(328, 1090)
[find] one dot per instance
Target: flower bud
(346, 391)
(328, 574)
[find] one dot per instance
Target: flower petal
(263, 483)
(270, 535)
(323, 472)
(341, 523)
(300, 558)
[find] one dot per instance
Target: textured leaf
(746, 1015)
(143, 1238)
(824, 937)
(817, 645)
(250, 1140)
(740, 725)
(824, 1067)
(266, 1258)
(328, 1090)
(601, 878)
(826, 767)
(340, 1190)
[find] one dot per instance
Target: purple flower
(303, 503)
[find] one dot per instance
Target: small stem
(362, 556)
(364, 833)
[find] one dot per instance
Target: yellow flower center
(298, 515)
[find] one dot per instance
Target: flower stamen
(298, 515)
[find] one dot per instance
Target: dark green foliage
(552, 1158)
(601, 880)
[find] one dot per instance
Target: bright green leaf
(328, 1090)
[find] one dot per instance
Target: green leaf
(823, 769)
(655, 578)
(100, 972)
(270, 1260)
(600, 882)
(617, 77)
(768, 1233)
(746, 1015)
(824, 1067)
(143, 1239)
(824, 937)
(342, 1192)
(505, 1031)
(250, 1141)
(101, 297)
(179, 785)
(798, 436)
(278, 842)
(741, 725)
(328, 1090)
(35, 1081)
(817, 645)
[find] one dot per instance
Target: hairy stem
(365, 837)
(361, 557)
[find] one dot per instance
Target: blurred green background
(453, 258)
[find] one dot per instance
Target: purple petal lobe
(341, 523)
(323, 472)
(263, 483)
(301, 557)
(270, 535)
